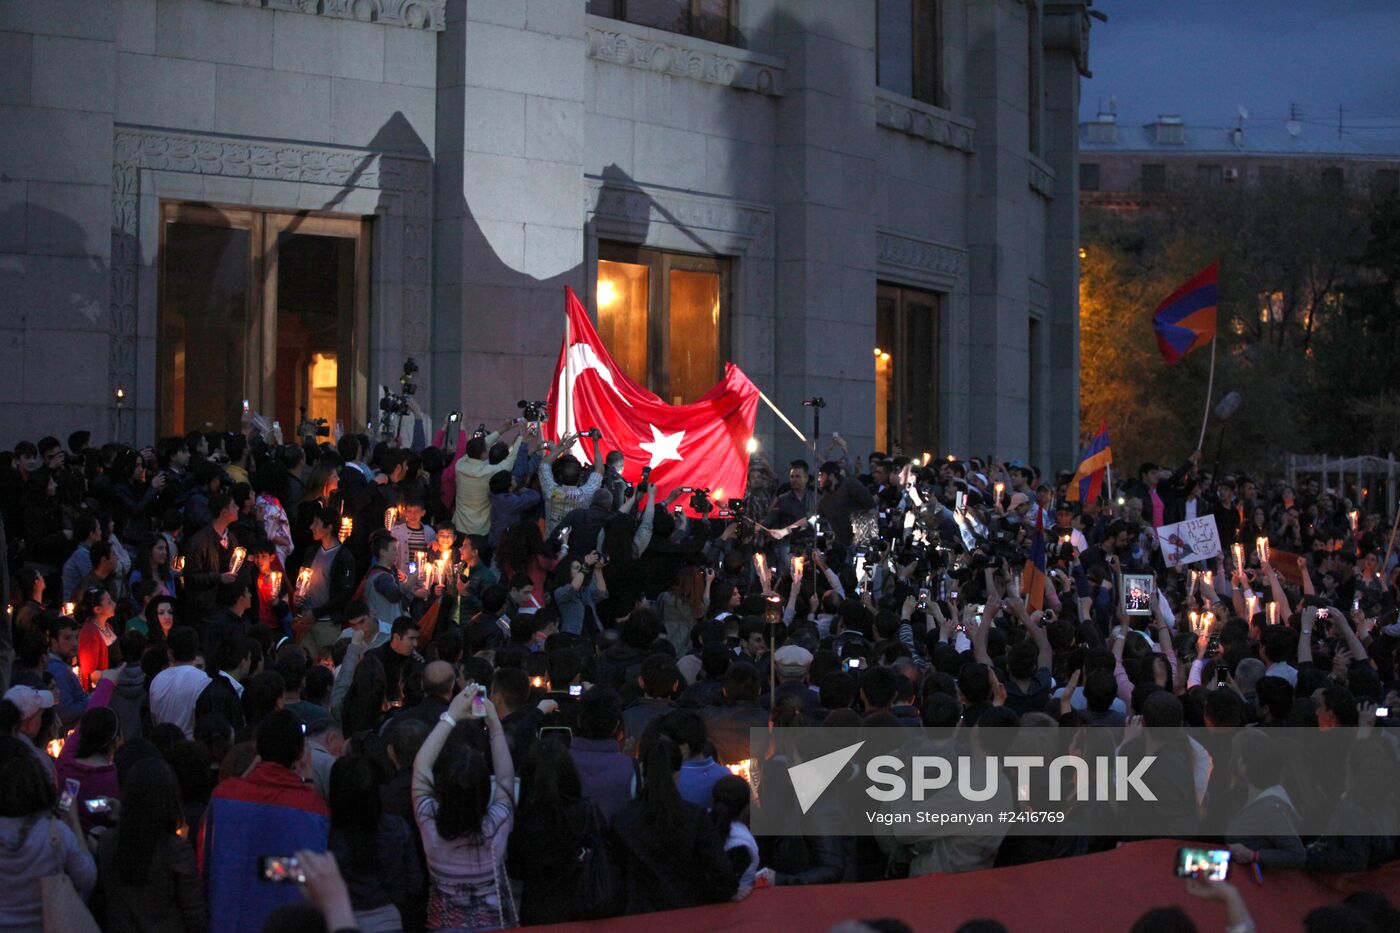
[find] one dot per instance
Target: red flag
(701, 444)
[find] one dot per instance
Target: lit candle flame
(1239, 555)
(178, 564)
(54, 748)
(391, 517)
(347, 526)
(1261, 545)
(998, 488)
(1354, 517)
(239, 556)
(760, 565)
(274, 582)
(798, 563)
(69, 608)
(1273, 613)
(303, 581)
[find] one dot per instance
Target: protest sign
(1195, 539)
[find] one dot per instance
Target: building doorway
(264, 307)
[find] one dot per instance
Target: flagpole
(1210, 390)
(769, 402)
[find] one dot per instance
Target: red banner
(702, 445)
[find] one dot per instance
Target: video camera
(532, 411)
(397, 404)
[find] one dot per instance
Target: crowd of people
(492, 682)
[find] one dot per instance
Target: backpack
(596, 885)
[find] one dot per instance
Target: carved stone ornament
(411, 14)
(924, 121)
(683, 56)
(920, 256)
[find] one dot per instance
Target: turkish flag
(702, 445)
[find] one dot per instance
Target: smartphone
(412, 568)
(960, 501)
(575, 690)
(70, 794)
(852, 664)
(1212, 644)
(1209, 864)
(98, 805)
(977, 608)
(1382, 712)
(922, 603)
(454, 417)
(279, 868)
(245, 406)
(1138, 591)
(1222, 675)
(1356, 603)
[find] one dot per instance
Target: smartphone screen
(1222, 675)
(852, 664)
(70, 794)
(575, 690)
(1137, 594)
(279, 868)
(1211, 864)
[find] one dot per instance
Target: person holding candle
(209, 559)
(387, 596)
(97, 640)
(413, 534)
(330, 585)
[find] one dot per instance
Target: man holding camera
(472, 473)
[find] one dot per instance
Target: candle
(178, 564)
(347, 525)
(797, 564)
(391, 516)
(70, 608)
(1273, 613)
(239, 555)
(420, 557)
(1261, 547)
(1195, 618)
(444, 570)
(927, 457)
(1238, 550)
(537, 682)
(743, 769)
(760, 566)
(1251, 604)
(998, 489)
(303, 581)
(1354, 517)
(274, 582)
(54, 748)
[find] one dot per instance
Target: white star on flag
(662, 447)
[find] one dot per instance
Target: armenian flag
(1088, 479)
(1033, 575)
(1186, 320)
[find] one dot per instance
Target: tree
(1309, 280)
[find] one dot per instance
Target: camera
(397, 404)
(312, 427)
(278, 868)
(700, 502)
(532, 411)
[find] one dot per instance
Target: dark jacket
(543, 855)
(395, 878)
(667, 869)
(206, 560)
(171, 900)
(342, 582)
(607, 776)
(219, 698)
(1268, 825)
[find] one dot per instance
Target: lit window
(662, 316)
(906, 368)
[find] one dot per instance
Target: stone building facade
(209, 201)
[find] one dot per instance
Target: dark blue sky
(1202, 58)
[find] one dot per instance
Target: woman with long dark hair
(465, 821)
(549, 833)
(153, 563)
(731, 796)
(159, 618)
(146, 866)
(374, 850)
(34, 842)
(88, 755)
(667, 851)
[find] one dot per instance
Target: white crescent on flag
(580, 359)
